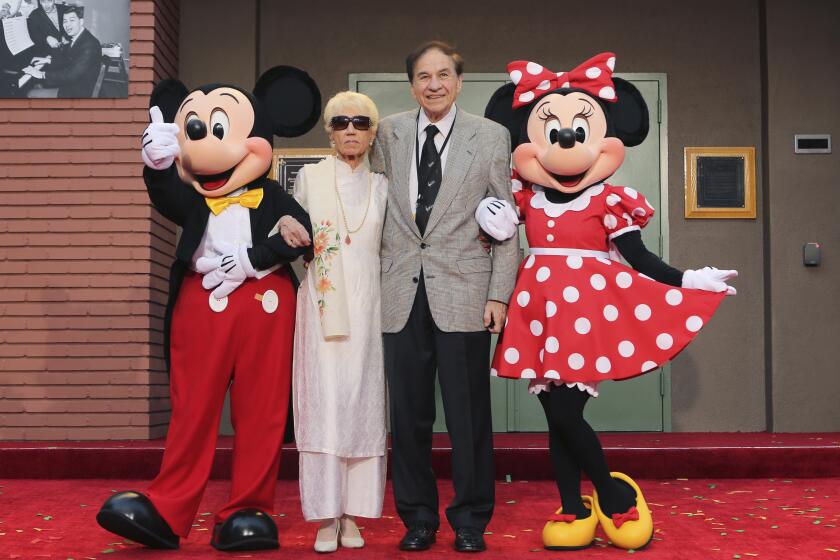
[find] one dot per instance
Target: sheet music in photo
(17, 34)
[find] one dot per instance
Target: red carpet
(521, 455)
(694, 519)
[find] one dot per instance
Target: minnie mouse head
(226, 134)
(569, 129)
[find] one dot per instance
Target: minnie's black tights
(574, 447)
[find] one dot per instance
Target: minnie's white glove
(227, 271)
(710, 279)
(160, 143)
(497, 218)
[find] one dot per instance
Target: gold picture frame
(286, 162)
(720, 182)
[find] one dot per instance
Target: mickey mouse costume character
(577, 315)
(240, 335)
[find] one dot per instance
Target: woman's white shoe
(327, 538)
(350, 535)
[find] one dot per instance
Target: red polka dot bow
(533, 81)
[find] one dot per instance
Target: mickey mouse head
(569, 129)
(226, 134)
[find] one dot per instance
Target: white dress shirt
(444, 126)
(73, 39)
(231, 227)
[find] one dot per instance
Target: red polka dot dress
(578, 317)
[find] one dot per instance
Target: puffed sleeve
(625, 210)
(522, 194)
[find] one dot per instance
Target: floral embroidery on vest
(326, 244)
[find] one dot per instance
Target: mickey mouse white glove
(227, 271)
(710, 279)
(160, 142)
(497, 218)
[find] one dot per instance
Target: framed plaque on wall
(286, 163)
(720, 182)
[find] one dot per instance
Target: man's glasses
(342, 121)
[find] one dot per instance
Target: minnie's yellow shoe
(631, 530)
(566, 532)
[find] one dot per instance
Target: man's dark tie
(429, 175)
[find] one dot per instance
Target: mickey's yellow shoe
(631, 530)
(566, 532)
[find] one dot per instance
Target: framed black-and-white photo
(64, 48)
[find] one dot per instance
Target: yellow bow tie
(249, 199)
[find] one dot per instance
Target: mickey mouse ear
(168, 95)
(291, 98)
(500, 109)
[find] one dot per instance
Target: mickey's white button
(270, 301)
(218, 305)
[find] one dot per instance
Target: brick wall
(83, 257)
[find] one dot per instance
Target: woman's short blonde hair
(351, 104)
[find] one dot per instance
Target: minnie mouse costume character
(240, 335)
(577, 315)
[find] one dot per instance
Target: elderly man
(442, 295)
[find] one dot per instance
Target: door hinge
(659, 111)
(662, 382)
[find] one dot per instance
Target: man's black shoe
(469, 539)
(246, 529)
(418, 537)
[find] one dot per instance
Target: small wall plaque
(720, 182)
(287, 162)
(812, 143)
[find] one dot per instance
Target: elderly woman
(338, 378)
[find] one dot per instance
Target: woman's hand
(294, 234)
(53, 42)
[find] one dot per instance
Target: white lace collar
(552, 210)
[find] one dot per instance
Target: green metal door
(638, 404)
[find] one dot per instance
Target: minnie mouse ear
(630, 118)
(291, 98)
(500, 109)
(168, 95)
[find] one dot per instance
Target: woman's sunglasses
(342, 121)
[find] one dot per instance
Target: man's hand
(494, 316)
(160, 142)
(294, 234)
(486, 242)
(34, 72)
